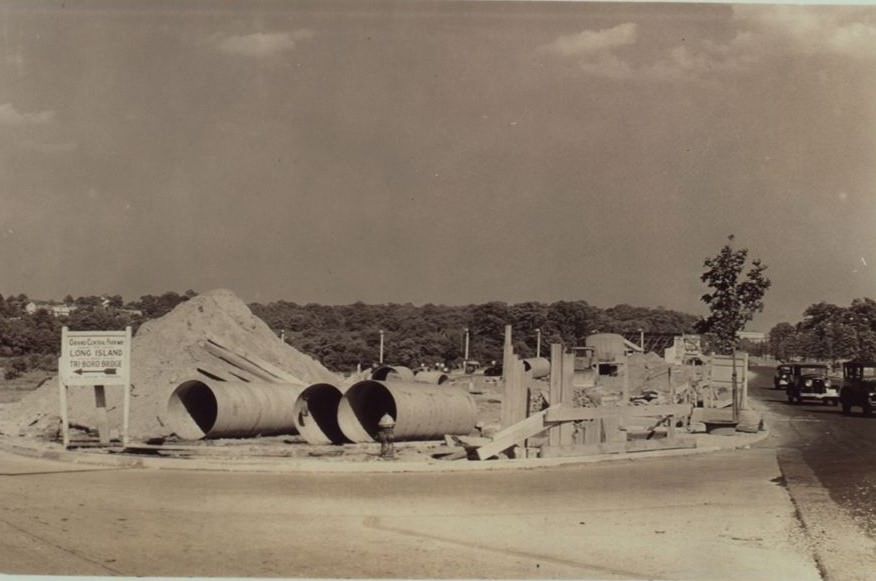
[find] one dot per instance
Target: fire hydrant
(385, 437)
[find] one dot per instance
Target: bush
(15, 368)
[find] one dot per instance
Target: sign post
(97, 359)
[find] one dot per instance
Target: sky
(436, 152)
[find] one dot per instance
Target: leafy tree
(733, 300)
(572, 321)
(782, 341)
(89, 301)
(158, 306)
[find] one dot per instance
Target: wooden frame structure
(574, 430)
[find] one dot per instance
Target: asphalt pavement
(828, 463)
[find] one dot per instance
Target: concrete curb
(705, 444)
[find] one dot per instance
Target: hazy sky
(436, 152)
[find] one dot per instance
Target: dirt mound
(166, 352)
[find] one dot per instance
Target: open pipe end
(361, 409)
(392, 373)
(316, 415)
(192, 410)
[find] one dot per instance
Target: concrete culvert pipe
(316, 414)
(421, 411)
(539, 366)
(392, 373)
(433, 377)
(223, 409)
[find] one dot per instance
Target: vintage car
(783, 376)
(810, 381)
(859, 387)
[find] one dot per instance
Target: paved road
(829, 463)
(840, 450)
(716, 516)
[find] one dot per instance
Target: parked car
(783, 377)
(859, 387)
(810, 381)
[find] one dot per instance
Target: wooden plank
(562, 413)
(712, 415)
(126, 398)
(281, 374)
(513, 435)
(567, 431)
(567, 414)
(611, 428)
(556, 390)
(584, 450)
(472, 441)
(592, 431)
(65, 422)
(619, 447)
(100, 414)
(508, 360)
(237, 361)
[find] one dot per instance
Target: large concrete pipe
(539, 366)
(202, 408)
(392, 373)
(316, 414)
(421, 411)
(433, 377)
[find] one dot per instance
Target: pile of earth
(166, 352)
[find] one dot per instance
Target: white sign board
(95, 357)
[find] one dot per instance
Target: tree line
(828, 332)
(344, 336)
(32, 340)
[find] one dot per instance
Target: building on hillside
(57, 310)
(753, 336)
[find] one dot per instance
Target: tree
(782, 342)
(733, 300)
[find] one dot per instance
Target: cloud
(9, 116)
(590, 42)
(264, 43)
(802, 30)
(762, 32)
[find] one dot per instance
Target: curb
(283, 466)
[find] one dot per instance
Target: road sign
(98, 359)
(95, 357)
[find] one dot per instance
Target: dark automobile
(811, 381)
(859, 387)
(783, 377)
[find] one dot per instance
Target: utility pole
(538, 342)
(465, 360)
(642, 340)
(381, 347)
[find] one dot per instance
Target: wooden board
(513, 435)
(566, 414)
(681, 442)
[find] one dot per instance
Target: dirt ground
(12, 390)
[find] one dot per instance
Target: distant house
(753, 336)
(57, 310)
